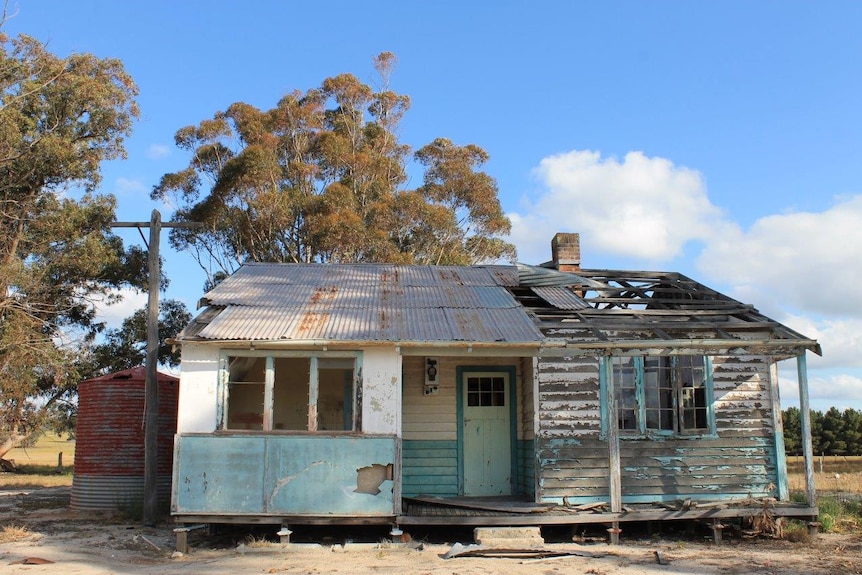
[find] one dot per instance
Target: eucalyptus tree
(126, 347)
(60, 118)
(322, 177)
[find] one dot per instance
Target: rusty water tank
(109, 450)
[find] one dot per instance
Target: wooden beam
(805, 415)
(778, 429)
(614, 475)
(151, 383)
(621, 517)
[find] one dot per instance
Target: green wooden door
(487, 434)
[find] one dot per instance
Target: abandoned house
(480, 395)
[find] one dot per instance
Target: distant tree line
(832, 433)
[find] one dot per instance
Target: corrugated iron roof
(596, 310)
(536, 276)
(560, 297)
(365, 302)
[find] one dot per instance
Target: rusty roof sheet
(366, 302)
(393, 324)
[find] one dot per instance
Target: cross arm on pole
(151, 386)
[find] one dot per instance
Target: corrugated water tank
(109, 451)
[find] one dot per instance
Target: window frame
(607, 367)
(270, 356)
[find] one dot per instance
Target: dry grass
(38, 464)
(12, 533)
(33, 479)
(836, 474)
(45, 452)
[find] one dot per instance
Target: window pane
(625, 382)
(246, 377)
(658, 393)
(334, 399)
(692, 378)
(486, 391)
(627, 420)
(673, 391)
(487, 384)
(290, 393)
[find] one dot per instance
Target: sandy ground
(87, 543)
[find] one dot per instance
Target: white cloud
(842, 390)
(128, 186)
(837, 388)
(812, 261)
(114, 314)
(839, 338)
(643, 207)
(157, 151)
(649, 208)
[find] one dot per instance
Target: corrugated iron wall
(109, 453)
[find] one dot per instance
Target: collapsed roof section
(628, 312)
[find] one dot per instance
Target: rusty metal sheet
(365, 302)
(394, 324)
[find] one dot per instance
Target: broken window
(290, 392)
(661, 394)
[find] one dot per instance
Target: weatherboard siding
(428, 417)
(737, 462)
(526, 468)
(429, 468)
(573, 458)
(429, 459)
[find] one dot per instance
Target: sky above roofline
(720, 140)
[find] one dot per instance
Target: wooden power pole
(151, 383)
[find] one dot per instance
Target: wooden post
(805, 424)
(778, 430)
(614, 480)
(151, 384)
(313, 390)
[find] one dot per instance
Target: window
(291, 392)
(486, 391)
(659, 394)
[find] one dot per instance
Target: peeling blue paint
(281, 475)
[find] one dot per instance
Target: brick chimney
(566, 252)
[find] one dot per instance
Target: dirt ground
(56, 540)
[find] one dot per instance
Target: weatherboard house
(481, 395)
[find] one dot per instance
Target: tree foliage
(126, 347)
(59, 119)
(834, 432)
(322, 177)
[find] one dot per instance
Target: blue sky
(721, 140)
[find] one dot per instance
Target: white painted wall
(198, 387)
(381, 391)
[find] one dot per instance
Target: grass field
(834, 474)
(39, 464)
